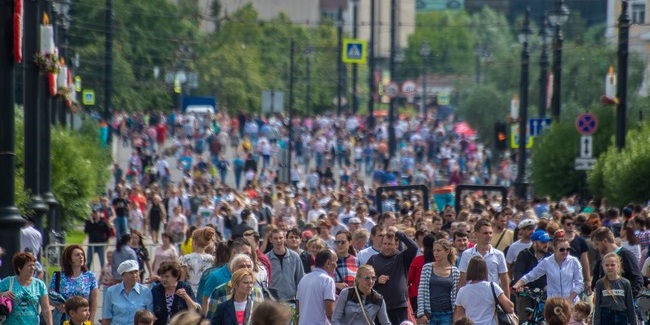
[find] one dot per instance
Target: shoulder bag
(503, 318)
(363, 308)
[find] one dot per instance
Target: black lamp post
(308, 54)
(10, 219)
(108, 67)
(392, 142)
(621, 86)
(545, 37)
(371, 69)
(355, 67)
(425, 52)
(339, 63)
(557, 18)
(521, 183)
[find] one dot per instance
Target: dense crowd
(209, 228)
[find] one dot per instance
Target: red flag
(18, 31)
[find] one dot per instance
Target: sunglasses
(369, 278)
(340, 242)
(562, 250)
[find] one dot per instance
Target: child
(614, 302)
(143, 317)
(580, 313)
(136, 217)
(106, 277)
(78, 310)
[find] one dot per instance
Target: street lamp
(425, 51)
(355, 67)
(546, 37)
(557, 18)
(308, 54)
(621, 86)
(521, 184)
(481, 52)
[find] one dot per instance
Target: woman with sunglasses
(563, 273)
(349, 310)
(347, 263)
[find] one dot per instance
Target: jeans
(121, 227)
(396, 316)
(92, 249)
(441, 318)
(608, 316)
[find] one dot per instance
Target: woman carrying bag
(349, 310)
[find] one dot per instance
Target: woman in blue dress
(26, 292)
(74, 280)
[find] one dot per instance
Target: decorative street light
(621, 86)
(557, 18)
(425, 52)
(546, 37)
(521, 184)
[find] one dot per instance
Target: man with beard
(526, 260)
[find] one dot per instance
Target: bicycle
(536, 314)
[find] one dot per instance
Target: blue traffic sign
(587, 123)
(536, 126)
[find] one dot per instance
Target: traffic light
(500, 136)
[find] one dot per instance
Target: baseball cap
(526, 223)
(307, 234)
(127, 266)
(354, 220)
(541, 236)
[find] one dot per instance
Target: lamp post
(521, 184)
(308, 54)
(355, 67)
(621, 90)
(546, 38)
(425, 51)
(480, 52)
(10, 219)
(108, 67)
(557, 18)
(392, 143)
(371, 69)
(339, 63)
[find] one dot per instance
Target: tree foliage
(554, 154)
(482, 107)
(621, 175)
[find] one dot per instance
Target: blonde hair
(451, 251)
(606, 281)
(317, 241)
(239, 275)
(202, 237)
(557, 311)
(189, 318)
(363, 269)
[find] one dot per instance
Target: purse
(503, 318)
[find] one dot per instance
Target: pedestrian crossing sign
(354, 51)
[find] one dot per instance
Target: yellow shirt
(186, 248)
(507, 239)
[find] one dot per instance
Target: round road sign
(587, 123)
(409, 88)
(392, 90)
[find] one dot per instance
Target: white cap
(128, 266)
(526, 223)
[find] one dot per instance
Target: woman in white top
(194, 264)
(563, 273)
(476, 299)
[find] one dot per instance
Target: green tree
(554, 154)
(482, 107)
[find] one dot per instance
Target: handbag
(503, 318)
(6, 305)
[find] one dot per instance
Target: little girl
(614, 301)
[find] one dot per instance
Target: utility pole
(371, 70)
(355, 67)
(10, 219)
(108, 83)
(339, 63)
(621, 90)
(521, 184)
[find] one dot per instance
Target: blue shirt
(121, 307)
(215, 279)
(26, 303)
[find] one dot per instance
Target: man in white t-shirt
(526, 228)
(496, 261)
(376, 235)
(316, 296)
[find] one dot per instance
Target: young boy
(79, 311)
(143, 317)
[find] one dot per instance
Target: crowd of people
(317, 246)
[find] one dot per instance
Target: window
(638, 13)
